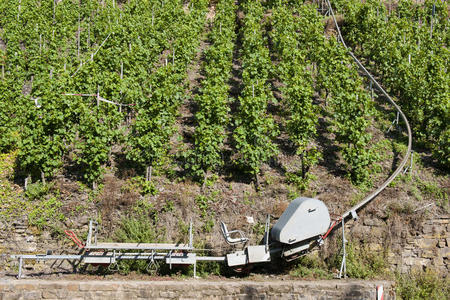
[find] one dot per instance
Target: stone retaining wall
(427, 245)
(406, 248)
(192, 289)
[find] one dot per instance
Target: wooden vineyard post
(89, 33)
(18, 11)
(148, 173)
(121, 78)
(98, 96)
(432, 19)
(27, 181)
(153, 15)
(78, 37)
(371, 89)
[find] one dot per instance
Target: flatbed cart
(97, 253)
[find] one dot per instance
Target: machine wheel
(244, 269)
(295, 256)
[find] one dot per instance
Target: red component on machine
(74, 238)
(331, 228)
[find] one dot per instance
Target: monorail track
(404, 161)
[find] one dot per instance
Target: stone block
(11, 296)
(129, 285)
(427, 228)
(25, 286)
(213, 292)
(354, 293)
(427, 253)
(372, 222)
(72, 286)
(377, 232)
(405, 253)
(126, 295)
(410, 241)
(426, 243)
(443, 220)
(444, 252)
(417, 268)
(192, 294)
(435, 235)
(55, 294)
(4, 287)
(98, 286)
(375, 247)
(437, 261)
(282, 288)
(32, 295)
(442, 270)
(165, 294)
(403, 268)
(360, 231)
(49, 294)
(147, 293)
(56, 286)
(416, 261)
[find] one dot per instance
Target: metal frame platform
(111, 253)
(92, 234)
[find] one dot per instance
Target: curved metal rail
(399, 169)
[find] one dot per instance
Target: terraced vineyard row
(408, 50)
(136, 55)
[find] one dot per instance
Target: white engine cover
(303, 219)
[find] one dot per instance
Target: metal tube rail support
(343, 269)
(116, 256)
(190, 235)
(20, 268)
(89, 236)
(399, 169)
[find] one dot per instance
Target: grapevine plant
(407, 47)
(213, 102)
(255, 129)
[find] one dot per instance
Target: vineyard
(203, 96)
